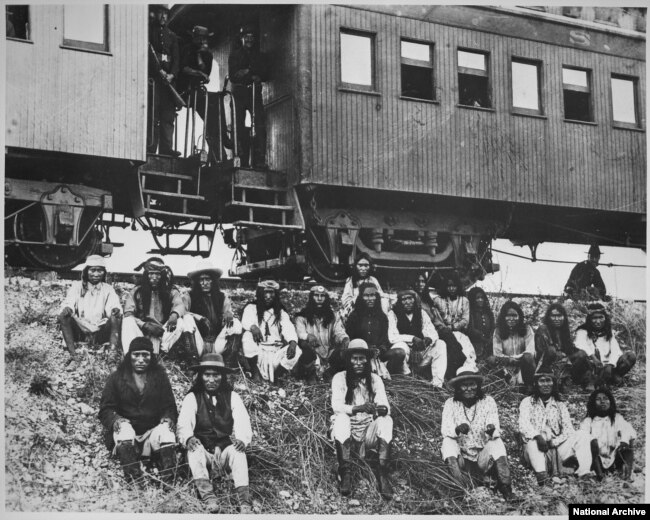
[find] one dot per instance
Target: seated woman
(514, 346)
(453, 305)
(601, 360)
(361, 273)
(481, 322)
(545, 423)
(369, 323)
(611, 435)
(424, 291)
(553, 345)
(471, 432)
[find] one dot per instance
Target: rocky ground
(56, 460)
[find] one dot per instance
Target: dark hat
(160, 7)
(596, 307)
(211, 360)
(594, 250)
(467, 372)
(141, 343)
(359, 346)
(152, 264)
(199, 30)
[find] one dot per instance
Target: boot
(454, 469)
(191, 352)
(255, 371)
(206, 495)
(310, 373)
(628, 462)
(245, 505)
(343, 454)
(542, 478)
(385, 486)
(166, 457)
(127, 453)
(596, 461)
(503, 475)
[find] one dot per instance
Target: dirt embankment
(56, 461)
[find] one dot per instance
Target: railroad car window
(17, 22)
(526, 86)
(357, 55)
(417, 70)
(624, 100)
(85, 26)
(473, 79)
(577, 94)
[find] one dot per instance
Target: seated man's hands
(291, 351)
(171, 322)
(542, 444)
(193, 444)
(462, 429)
(257, 334)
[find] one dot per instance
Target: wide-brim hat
(211, 360)
(199, 30)
(468, 372)
(205, 266)
(160, 7)
(359, 346)
(594, 250)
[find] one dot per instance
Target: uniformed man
(585, 277)
(247, 69)
(164, 65)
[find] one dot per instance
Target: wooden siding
(382, 141)
(65, 100)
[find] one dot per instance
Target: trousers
(201, 461)
(577, 444)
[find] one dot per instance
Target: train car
(416, 134)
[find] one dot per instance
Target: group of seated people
(434, 332)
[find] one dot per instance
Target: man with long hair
(321, 336)
(362, 414)
(362, 273)
(601, 360)
(138, 411)
(269, 340)
(513, 346)
(212, 311)
(411, 330)
(545, 424)
(481, 322)
(369, 323)
(612, 437)
(471, 432)
(215, 428)
(155, 309)
(91, 311)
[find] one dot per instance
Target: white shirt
(609, 351)
(284, 330)
(394, 336)
(96, 305)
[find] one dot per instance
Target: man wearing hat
(362, 414)
(155, 309)
(163, 71)
(211, 309)
(138, 412)
(247, 69)
(269, 340)
(321, 336)
(546, 428)
(411, 329)
(215, 428)
(471, 432)
(91, 310)
(585, 277)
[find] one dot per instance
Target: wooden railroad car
(416, 134)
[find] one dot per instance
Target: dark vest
(213, 424)
(199, 307)
(404, 326)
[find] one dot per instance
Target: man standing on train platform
(585, 279)
(91, 311)
(269, 341)
(155, 309)
(248, 68)
(321, 336)
(164, 66)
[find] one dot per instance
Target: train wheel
(318, 257)
(29, 225)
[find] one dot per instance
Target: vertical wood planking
(443, 149)
(79, 102)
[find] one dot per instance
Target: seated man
(211, 309)
(91, 310)
(471, 432)
(155, 309)
(321, 336)
(138, 412)
(410, 329)
(545, 424)
(269, 340)
(611, 435)
(215, 428)
(361, 412)
(585, 280)
(369, 323)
